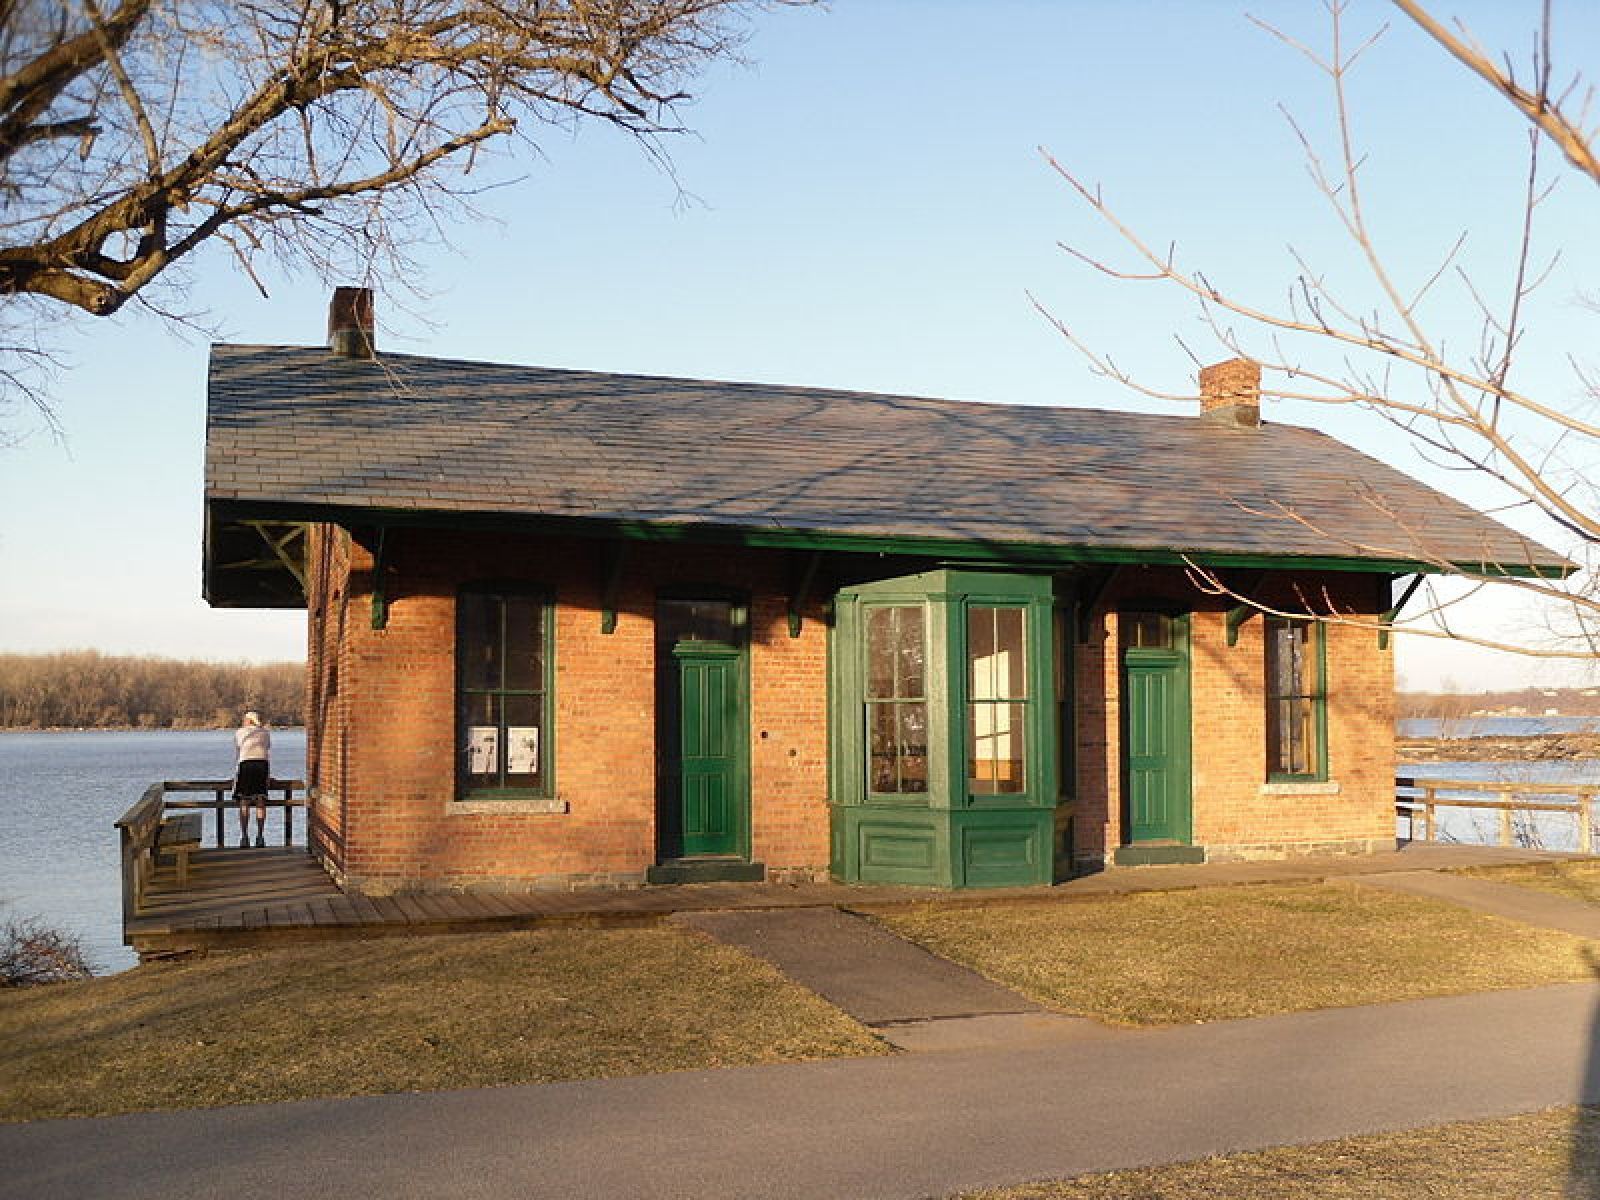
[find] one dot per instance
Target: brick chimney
(1230, 392)
(351, 332)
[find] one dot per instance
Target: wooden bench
(181, 835)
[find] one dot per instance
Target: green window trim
(1295, 695)
(504, 714)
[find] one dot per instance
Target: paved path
(914, 999)
(1528, 905)
(908, 1127)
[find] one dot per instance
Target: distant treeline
(84, 689)
(1569, 702)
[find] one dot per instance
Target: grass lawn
(1578, 880)
(400, 1014)
(1551, 1155)
(1218, 953)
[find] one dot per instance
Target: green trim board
(225, 514)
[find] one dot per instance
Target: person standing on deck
(250, 783)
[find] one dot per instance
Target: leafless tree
(328, 134)
(1379, 349)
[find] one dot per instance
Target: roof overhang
(254, 552)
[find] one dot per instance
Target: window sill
(484, 803)
(1301, 787)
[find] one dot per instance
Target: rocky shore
(1543, 747)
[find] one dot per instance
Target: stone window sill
(534, 804)
(1310, 787)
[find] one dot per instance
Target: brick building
(576, 629)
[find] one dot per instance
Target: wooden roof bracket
(616, 555)
(1387, 619)
(1090, 596)
(380, 591)
(1245, 609)
(280, 547)
(802, 591)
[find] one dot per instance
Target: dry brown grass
(1551, 1155)
(1218, 953)
(345, 1018)
(1577, 880)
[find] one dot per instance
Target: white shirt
(253, 741)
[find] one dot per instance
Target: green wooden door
(711, 730)
(1155, 748)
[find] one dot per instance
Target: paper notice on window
(522, 750)
(483, 749)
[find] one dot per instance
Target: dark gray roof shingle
(290, 425)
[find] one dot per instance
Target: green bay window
(946, 712)
(1296, 698)
(503, 666)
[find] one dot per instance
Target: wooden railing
(1414, 797)
(137, 829)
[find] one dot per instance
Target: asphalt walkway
(900, 1128)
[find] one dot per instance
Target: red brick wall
(396, 720)
(1237, 813)
(382, 726)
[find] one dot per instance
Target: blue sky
(868, 209)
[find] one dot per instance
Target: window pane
(695, 621)
(524, 642)
(478, 640)
(995, 748)
(895, 661)
(883, 747)
(522, 740)
(897, 746)
(982, 683)
(1145, 631)
(910, 668)
(995, 667)
(912, 734)
(479, 752)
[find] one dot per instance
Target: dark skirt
(251, 783)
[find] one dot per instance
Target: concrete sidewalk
(900, 1128)
(911, 997)
(1528, 905)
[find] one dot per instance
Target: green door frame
(1174, 664)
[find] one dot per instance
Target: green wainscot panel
(1003, 849)
(894, 845)
(941, 848)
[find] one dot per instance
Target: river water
(61, 792)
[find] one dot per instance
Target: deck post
(1427, 814)
(1585, 822)
(1505, 818)
(221, 839)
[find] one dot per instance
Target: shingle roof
(292, 426)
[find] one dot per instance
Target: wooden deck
(247, 896)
